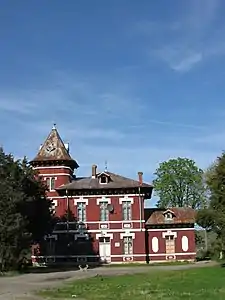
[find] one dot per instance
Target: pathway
(21, 287)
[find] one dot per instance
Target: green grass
(173, 263)
(193, 284)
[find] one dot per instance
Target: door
(105, 249)
(170, 244)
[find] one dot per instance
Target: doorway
(170, 244)
(105, 249)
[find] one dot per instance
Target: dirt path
(22, 287)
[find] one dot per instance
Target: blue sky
(131, 82)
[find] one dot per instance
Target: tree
(179, 183)
(213, 217)
(25, 215)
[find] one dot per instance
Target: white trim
(110, 235)
(114, 222)
(81, 200)
(103, 199)
(53, 236)
(115, 255)
(100, 230)
(55, 203)
(45, 178)
(181, 254)
(84, 235)
(177, 229)
(126, 198)
(169, 233)
(98, 196)
(54, 174)
(128, 234)
(53, 167)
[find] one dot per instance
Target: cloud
(188, 40)
(102, 121)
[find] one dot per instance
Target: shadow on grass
(57, 268)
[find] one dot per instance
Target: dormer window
(169, 216)
(103, 178)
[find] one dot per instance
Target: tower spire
(106, 166)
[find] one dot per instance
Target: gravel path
(22, 287)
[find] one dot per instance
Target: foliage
(180, 183)
(213, 217)
(22, 202)
(195, 283)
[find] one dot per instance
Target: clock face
(50, 147)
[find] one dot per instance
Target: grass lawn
(202, 283)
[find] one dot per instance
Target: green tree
(213, 217)
(179, 183)
(25, 214)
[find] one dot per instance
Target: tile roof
(115, 181)
(54, 149)
(181, 215)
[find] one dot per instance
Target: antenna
(106, 166)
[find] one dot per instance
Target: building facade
(101, 218)
(108, 210)
(170, 234)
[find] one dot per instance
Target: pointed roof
(54, 149)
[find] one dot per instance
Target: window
(126, 208)
(169, 216)
(81, 211)
(103, 179)
(50, 182)
(52, 187)
(127, 245)
(104, 213)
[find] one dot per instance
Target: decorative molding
(98, 196)
(81, 235)
(103, 199)
(98, 230)
(53, 167)
(80, 200)
(55, 203)
(177, 229)
(169, 233)
(155, 244)
(126, 198)
(115, 255)
(185, 243)
(110, 235)
(53, 236)
(127, 234)
(53, 174)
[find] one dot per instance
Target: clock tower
(54, 163)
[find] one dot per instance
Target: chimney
(40, 147)
(94, 171)
(140, 177)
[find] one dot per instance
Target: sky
(131, 82)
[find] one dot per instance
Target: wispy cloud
(188, 40)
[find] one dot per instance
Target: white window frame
(83, 205)
(50, 185)
(128, 246)
(126, 210)
(103, 208)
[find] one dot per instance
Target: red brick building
(108, 209)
